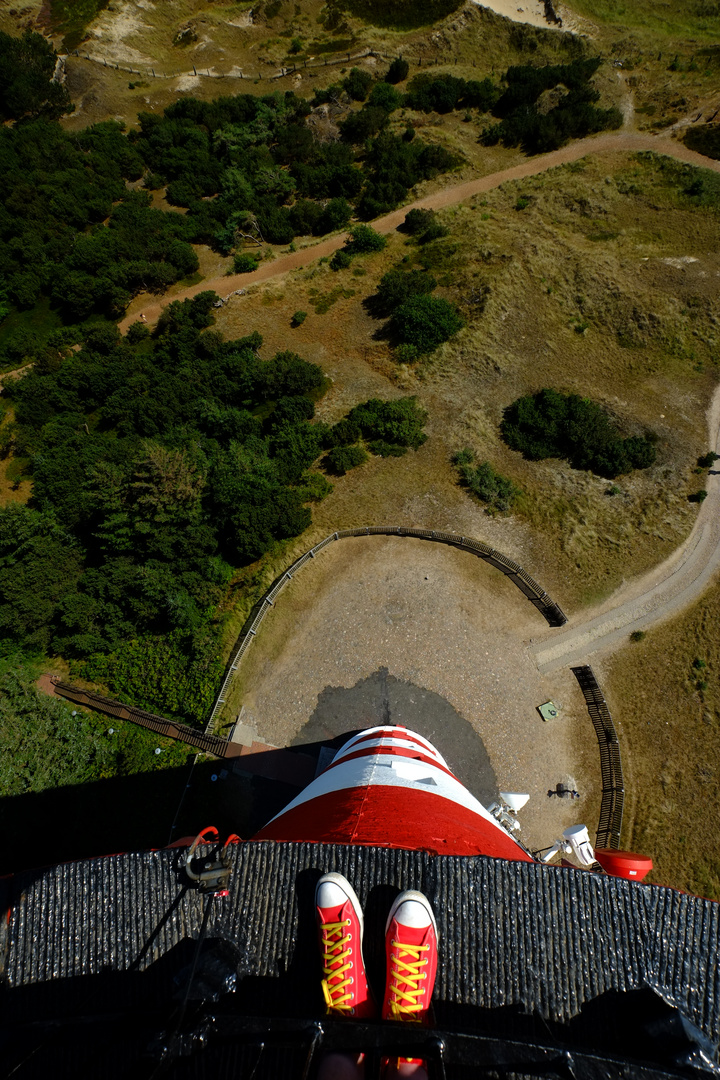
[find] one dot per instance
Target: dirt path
(663, 592)
(602, 144)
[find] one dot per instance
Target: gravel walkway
(449, 636)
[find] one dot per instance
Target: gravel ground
(448, 636)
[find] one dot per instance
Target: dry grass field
(585, 290)
(665, 698)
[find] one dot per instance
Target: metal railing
(210, 744)
(527, 585)
(613, 790)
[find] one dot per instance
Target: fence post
(194, 69)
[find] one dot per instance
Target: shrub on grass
(396, 423)
(397, 286)
(340, 260)
(706, 461)
(364, 240)
(493, 489)
(243, 263)
(398, 71)
(343, 458)
(417, 221)
(698, 496)
(637, 635)
(551, 424)
(425, 322)
(357, 84)
(298, 318)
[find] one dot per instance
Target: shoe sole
(344, 884)
(412, 894)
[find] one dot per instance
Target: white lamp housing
(514, 799)
(578, 840)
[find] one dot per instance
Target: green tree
(425, 322)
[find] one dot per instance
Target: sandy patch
(106, 37)
(187, 82)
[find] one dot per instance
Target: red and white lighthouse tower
(389, 787)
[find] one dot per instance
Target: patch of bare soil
(438, 620)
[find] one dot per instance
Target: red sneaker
(340, 928)
(411, 951)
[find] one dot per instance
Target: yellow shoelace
(335, 951)
(404, 999)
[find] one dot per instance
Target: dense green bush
(403, 14)
(152, 477)
(397, 286)
(340, 260)
(27, 65)
(705, 139)
(574, 116)
(343, 458)
(443, 93)
(363, 240)
(398, 423)
(357, 84)
(493, 489)
(398, 71)
(425, 322)
(551, 424)
(244, 263)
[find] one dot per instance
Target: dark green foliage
(398, 71)
(385, 96)
(706, 461)
(425, 322)
(393, 166)
(363, 240)
(362, 125)
(575, 115)
(153, 477)
(357, 84)
(340, 260)
(244, 263)
(343, 458)
(336, 215)
(49, 744)
(403, 14)
(298, 318)
(27, 65)
(493, 489)
(398, 423)
(443, 93)
(704, 139)
(637, 635)
(397, 286)
(344, 433)
(418, 221)
(550, 424)
(698, 496)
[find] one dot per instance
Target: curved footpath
(661, 593)
(601, 144)
(669, 587)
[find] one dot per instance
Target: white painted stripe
(386, 771)
(399, 738)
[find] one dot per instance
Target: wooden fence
(613, 791)
(210, 744)
(527, 585)
(277, 72)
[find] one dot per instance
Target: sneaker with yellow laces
(411, 946)
(340, 930)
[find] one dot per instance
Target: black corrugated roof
(111, 936)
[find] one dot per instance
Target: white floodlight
(514, 799)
